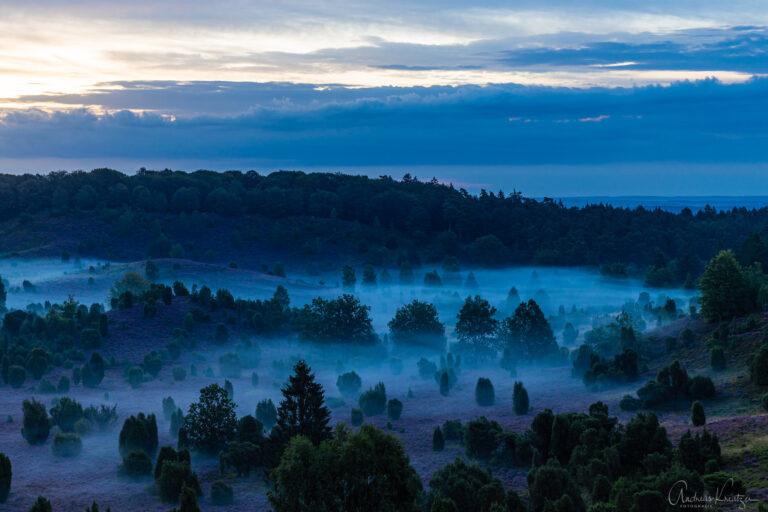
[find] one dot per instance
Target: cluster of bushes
(596, 370)
(672, 383)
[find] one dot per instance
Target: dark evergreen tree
(302, 410)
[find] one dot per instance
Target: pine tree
(302, 410)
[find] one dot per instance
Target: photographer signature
(678, 495)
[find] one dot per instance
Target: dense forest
(392, 220)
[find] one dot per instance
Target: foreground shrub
(374, 401)
(67, 445)
(139, 433)
(484, 392)
(468, 486)
(221, 493)
(481, 437)
(348, 463)
(394, 409)
(551, 487)
(5, 477)
(173, 476)
(136, 464)
(37, 426)
(520, 401)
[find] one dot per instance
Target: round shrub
(167, 453)
(179, 373)
(701, 387)
(136, 464)
(520, 401)
(394, 409)
(82, 427)
(221, 493)
(438, 440)
(63, 386)
(16, 376)
(349, 383)
(356, 417)
(45, 386)
(67, 445)
(37, 426)
(697, 414)
(484, 393)
(135, 377)
(374, 401)
(5, 477)
(482, 437)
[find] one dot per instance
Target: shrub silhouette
(37, 426)
(5, 477)
(139, 433)
(697, 414)
(484, 392)
(520, 399)
(66, 413)
(374, 401)
(348, 383)
(482, 437)
(356, 417)
(173, 476)
(16, 376)
(136, 464)
(438, 440)
(67, 445)
(394, 409)
(266, 413)
(221, 493)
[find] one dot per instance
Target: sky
(553, 98)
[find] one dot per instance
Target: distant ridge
(673, 204)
